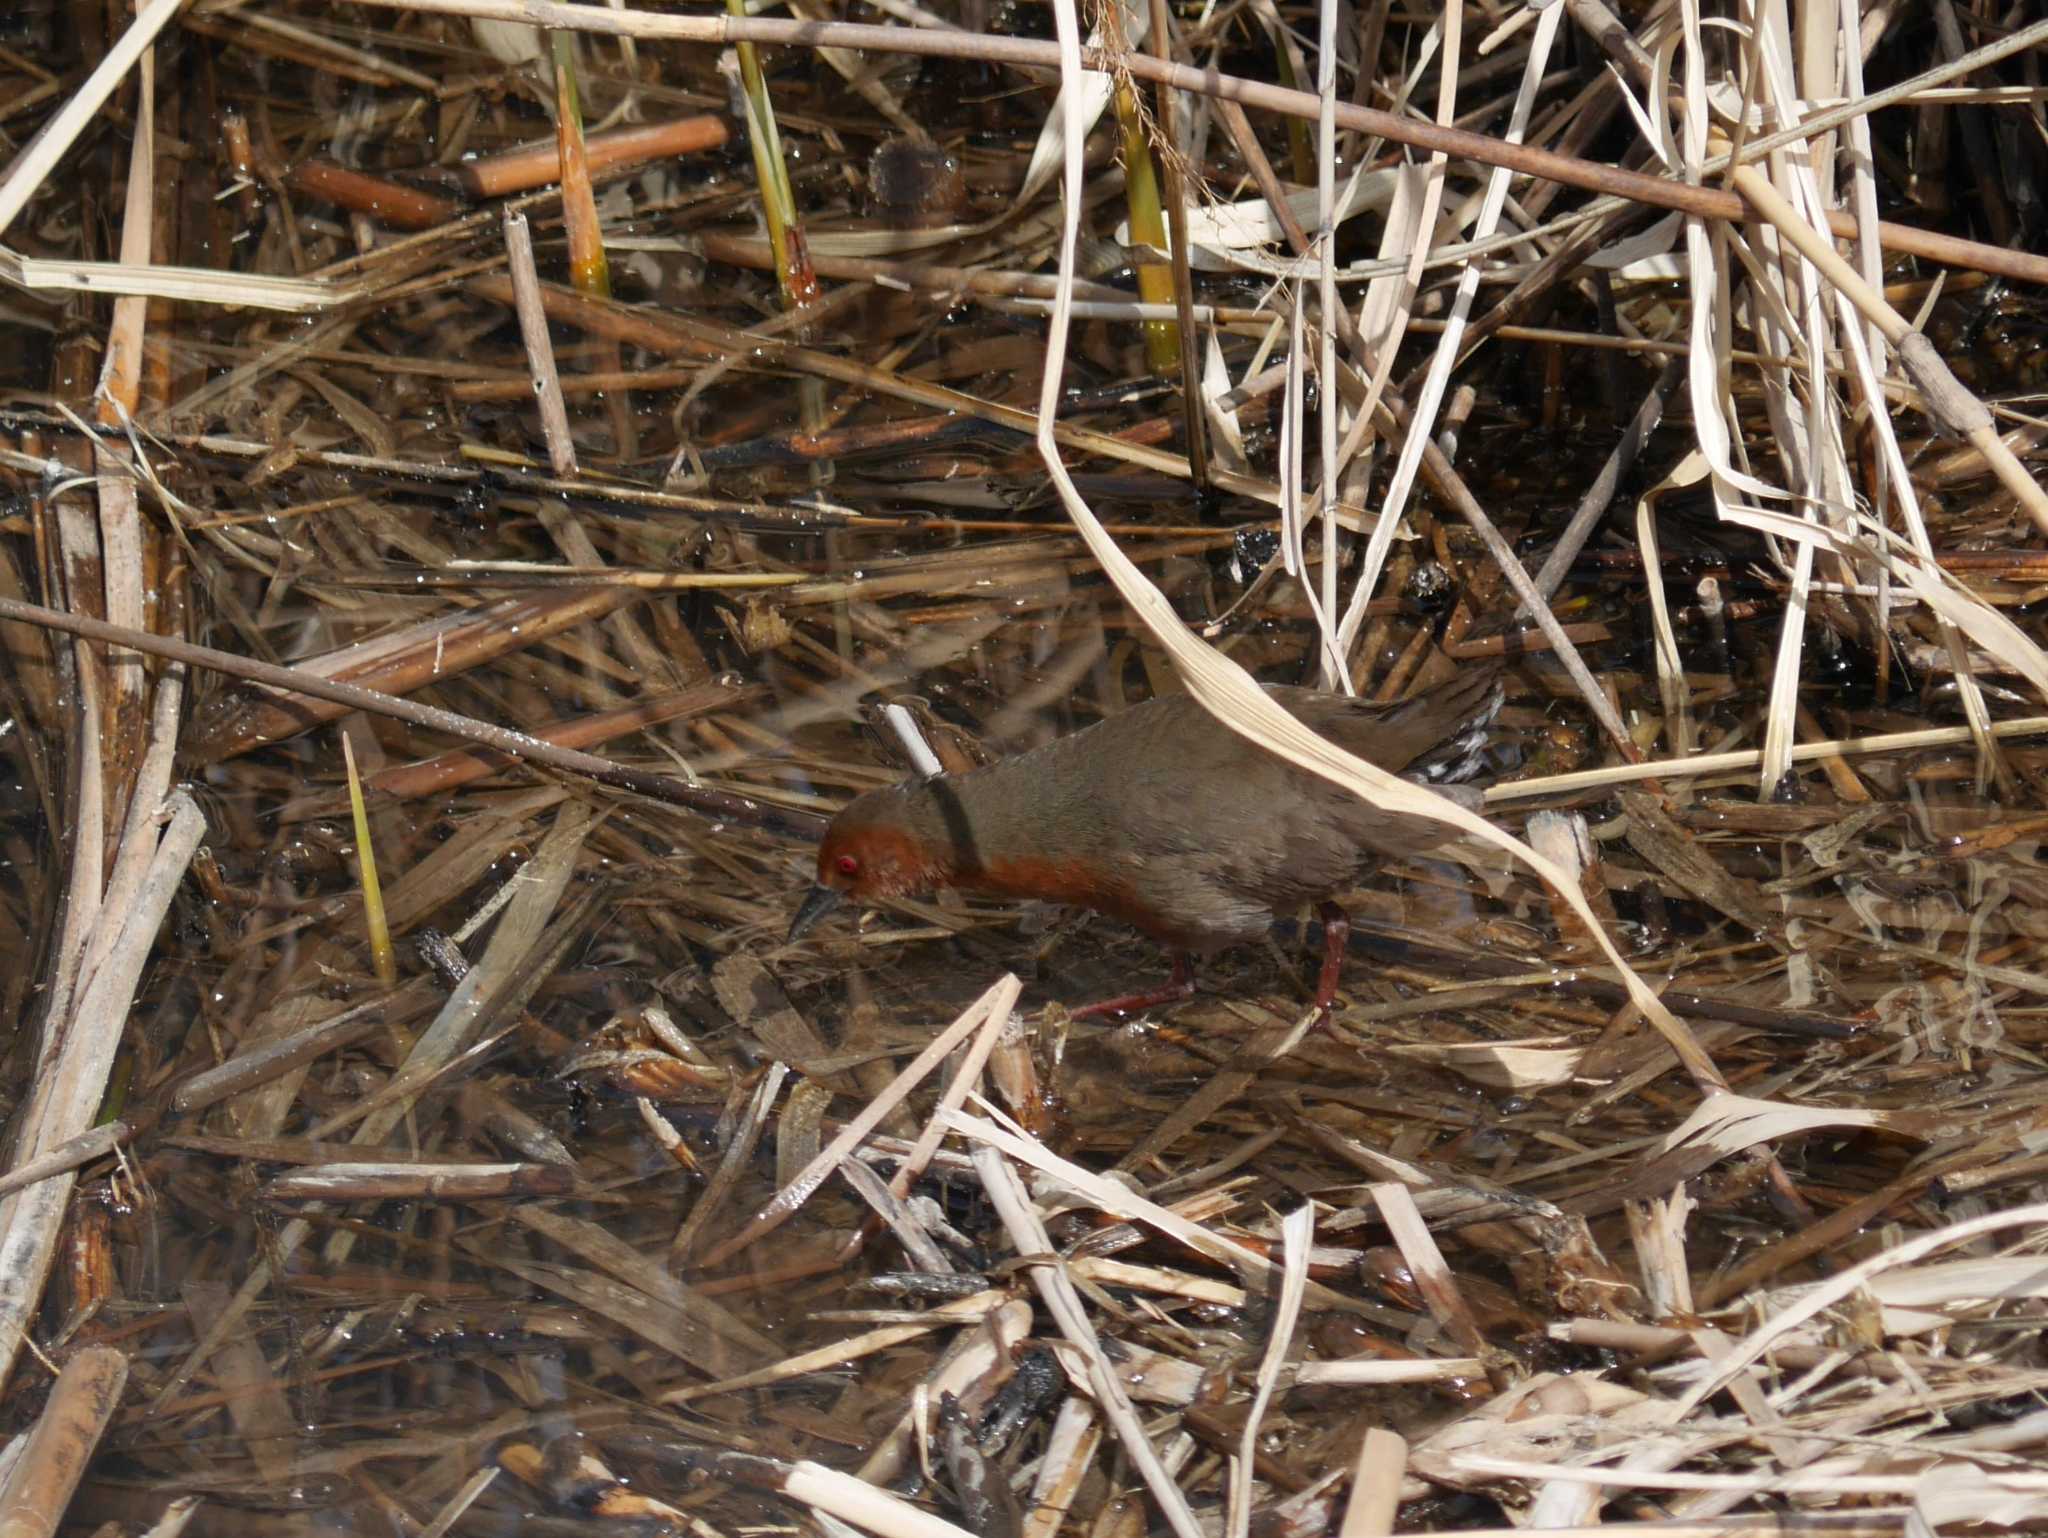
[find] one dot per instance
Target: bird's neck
(990, 833)
(959, 828)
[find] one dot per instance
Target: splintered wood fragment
(1014, 1072)
(1069, 1453)
(1657, 1225)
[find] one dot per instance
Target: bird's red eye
(848, 865)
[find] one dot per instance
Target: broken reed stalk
(119, 396)
(523, 170)
(462, 766)
(52, 1457)
(124, 538)
(82, 1038)
(398, 204)
(70, 1154)
(540, 351)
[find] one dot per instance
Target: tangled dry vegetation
(397, 388)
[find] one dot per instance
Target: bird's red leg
(1336, 935)
(1180, 986)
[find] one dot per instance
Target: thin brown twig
(540, 352)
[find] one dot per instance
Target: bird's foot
(1180, 986)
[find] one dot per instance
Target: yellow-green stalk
(381, 953)
(778, 201)
(1148, 229)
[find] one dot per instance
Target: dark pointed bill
(818, 902)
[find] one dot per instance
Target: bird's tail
(1474, 701)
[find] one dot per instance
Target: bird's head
(874, 849)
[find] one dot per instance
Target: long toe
(1180, 986)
